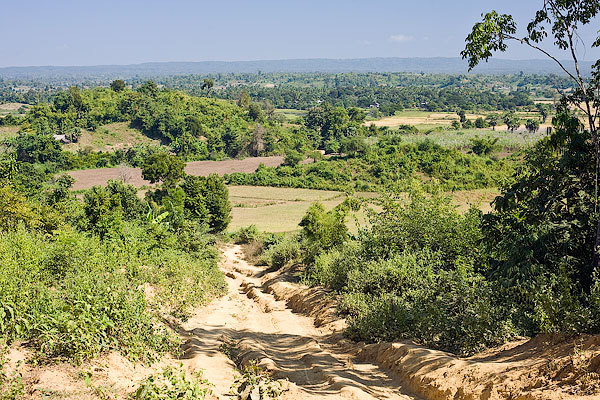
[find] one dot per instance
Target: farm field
(86, 178)
(424, 120)
(274, 209)
(461, 140)
(11, 108)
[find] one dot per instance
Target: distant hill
(390, 64)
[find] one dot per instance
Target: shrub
(246, 235)
(413, 274)
(172, 384)
(283, 252)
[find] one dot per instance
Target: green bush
(283, 252)
(73, 296)
(172, 384)
(413, 274)
(410, 297)
(247, 235)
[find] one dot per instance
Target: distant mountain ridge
(381, 64)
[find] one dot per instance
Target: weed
(256, 384)
(173, 384)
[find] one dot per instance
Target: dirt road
(252, 324)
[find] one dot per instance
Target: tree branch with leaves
(560, 21)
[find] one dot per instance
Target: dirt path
(254, 325)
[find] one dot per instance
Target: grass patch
(117, 135)
(7, 132)
(275, 209)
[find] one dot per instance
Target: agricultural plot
(425, 120)
(12, 108)
(8, 132)
(274, 209)
(462, 139)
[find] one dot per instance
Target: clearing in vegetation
(114, 136)
(274, 209)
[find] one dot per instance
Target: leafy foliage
(414, 273)
(172, 384)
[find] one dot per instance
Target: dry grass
(8, 132)
(110, 137)
(274, 209)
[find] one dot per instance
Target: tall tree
(207, 84)
(562, 20)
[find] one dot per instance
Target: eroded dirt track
(250, 324)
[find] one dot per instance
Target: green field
(290, 114)
(508, 141)
(274, 209)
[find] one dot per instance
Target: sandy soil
(86, 178)
(254, 325)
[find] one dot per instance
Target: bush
(283, 252)
(172, 384)
(410, 297)
(246, 235)
(73, 296)
(414, 274)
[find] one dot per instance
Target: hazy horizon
(498, 57)
(71, 33)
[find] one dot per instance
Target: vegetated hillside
(195, 128)
(82, 276)
(200, 128)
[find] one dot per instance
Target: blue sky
(59, 32)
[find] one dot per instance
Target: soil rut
(250, 324)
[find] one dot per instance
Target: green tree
(484, 146)
(493, 120)
(562, 20)
(163, 167)
(149, 88)
(131, 204)
(117, 85)
(255, 112)
(543, 109)
(195, 202)
(34, 148)
(244, 99)
(207, 84)
(542, 233)
(480, 123)
(532, 125)
(217, 203)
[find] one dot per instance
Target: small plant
(172, 384)
(256, 384)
